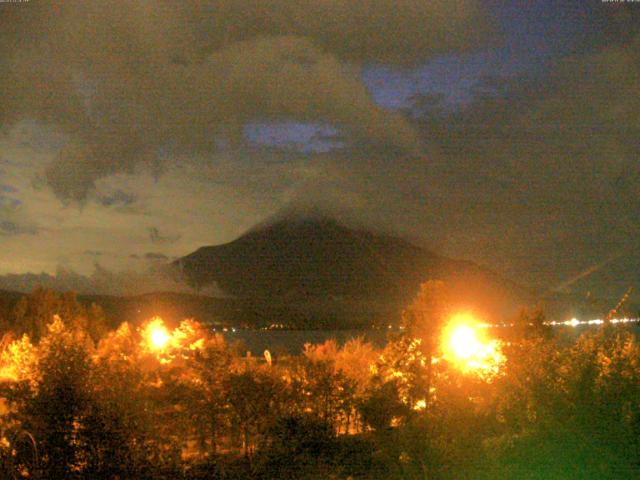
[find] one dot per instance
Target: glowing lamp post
(159, 338)
(465, 345)
(464, 342)
(156, 334)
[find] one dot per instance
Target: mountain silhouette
(318, 260)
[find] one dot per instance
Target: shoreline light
(574, 322)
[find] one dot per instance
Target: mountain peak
(296, 220)
(307, 253)
(309, 215)
(310, 261)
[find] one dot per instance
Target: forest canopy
(80, 400)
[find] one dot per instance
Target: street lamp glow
(159, 338)
(156, 334)
(465, 344)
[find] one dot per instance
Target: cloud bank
(126, 81)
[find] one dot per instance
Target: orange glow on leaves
(465, 345)
(156, 334)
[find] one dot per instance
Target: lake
(292, 341)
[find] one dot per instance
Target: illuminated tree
(119, 425)
(603, 384)
(428, 312)
(531, 324)
(18, 370)
(253, 404)
(354, 359)
(445, 441)
(206, 399)
(382, 405)
(97, 322)
(570, 409)
(423, 320)
(404, 363)
(35, 311)
(122, 422)
(325, 390)
(297, 447)
(53, 409)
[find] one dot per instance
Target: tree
(403, 362)
(54, 409)
(118, 425)
(569, 410)
(335, 379)
(382, 405)
(211, 368)
(35, 311)
(252, 400)
(297, 446)
(424, 319)
(531, 324)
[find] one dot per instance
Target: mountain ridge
(310, 258)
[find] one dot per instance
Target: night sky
(505, 133)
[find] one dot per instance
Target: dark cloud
(155, 256)
(9, 203)
(537, 174)
(123, 80)
(12, 217)
(157, 238)
(7, 227)
(101, 281)
(389, 31)
(117, 198)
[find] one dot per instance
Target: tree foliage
(120, 405)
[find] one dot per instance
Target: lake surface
(293, 341)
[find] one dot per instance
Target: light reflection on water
(292, 341)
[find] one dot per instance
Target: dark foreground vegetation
(82, 401)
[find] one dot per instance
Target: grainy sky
(500, 132)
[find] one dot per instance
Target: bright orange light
(466, 345)
(156, 334)
(159, 337)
